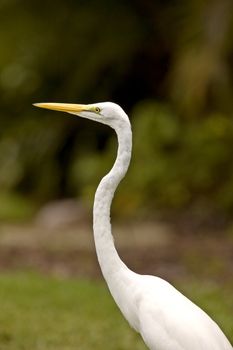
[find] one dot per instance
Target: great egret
(164, 317)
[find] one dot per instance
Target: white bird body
(164, 317)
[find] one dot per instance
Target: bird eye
(97, 109)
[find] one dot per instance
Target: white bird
(164, 317)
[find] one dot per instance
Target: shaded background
(169, 65)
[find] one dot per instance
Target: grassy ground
(47, 313)
(50, 314)
(60, 301)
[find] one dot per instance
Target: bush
(176, 164)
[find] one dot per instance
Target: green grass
(45, 313)
(40, 313)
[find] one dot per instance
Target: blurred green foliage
(15, 208)
(167, 63)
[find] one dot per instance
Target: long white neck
(109, 260)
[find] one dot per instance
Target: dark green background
(167, 63)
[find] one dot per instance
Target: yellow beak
(63, 107)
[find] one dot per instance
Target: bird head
(104, 112)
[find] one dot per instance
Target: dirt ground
(150, 248)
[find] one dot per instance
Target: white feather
(166, 319)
